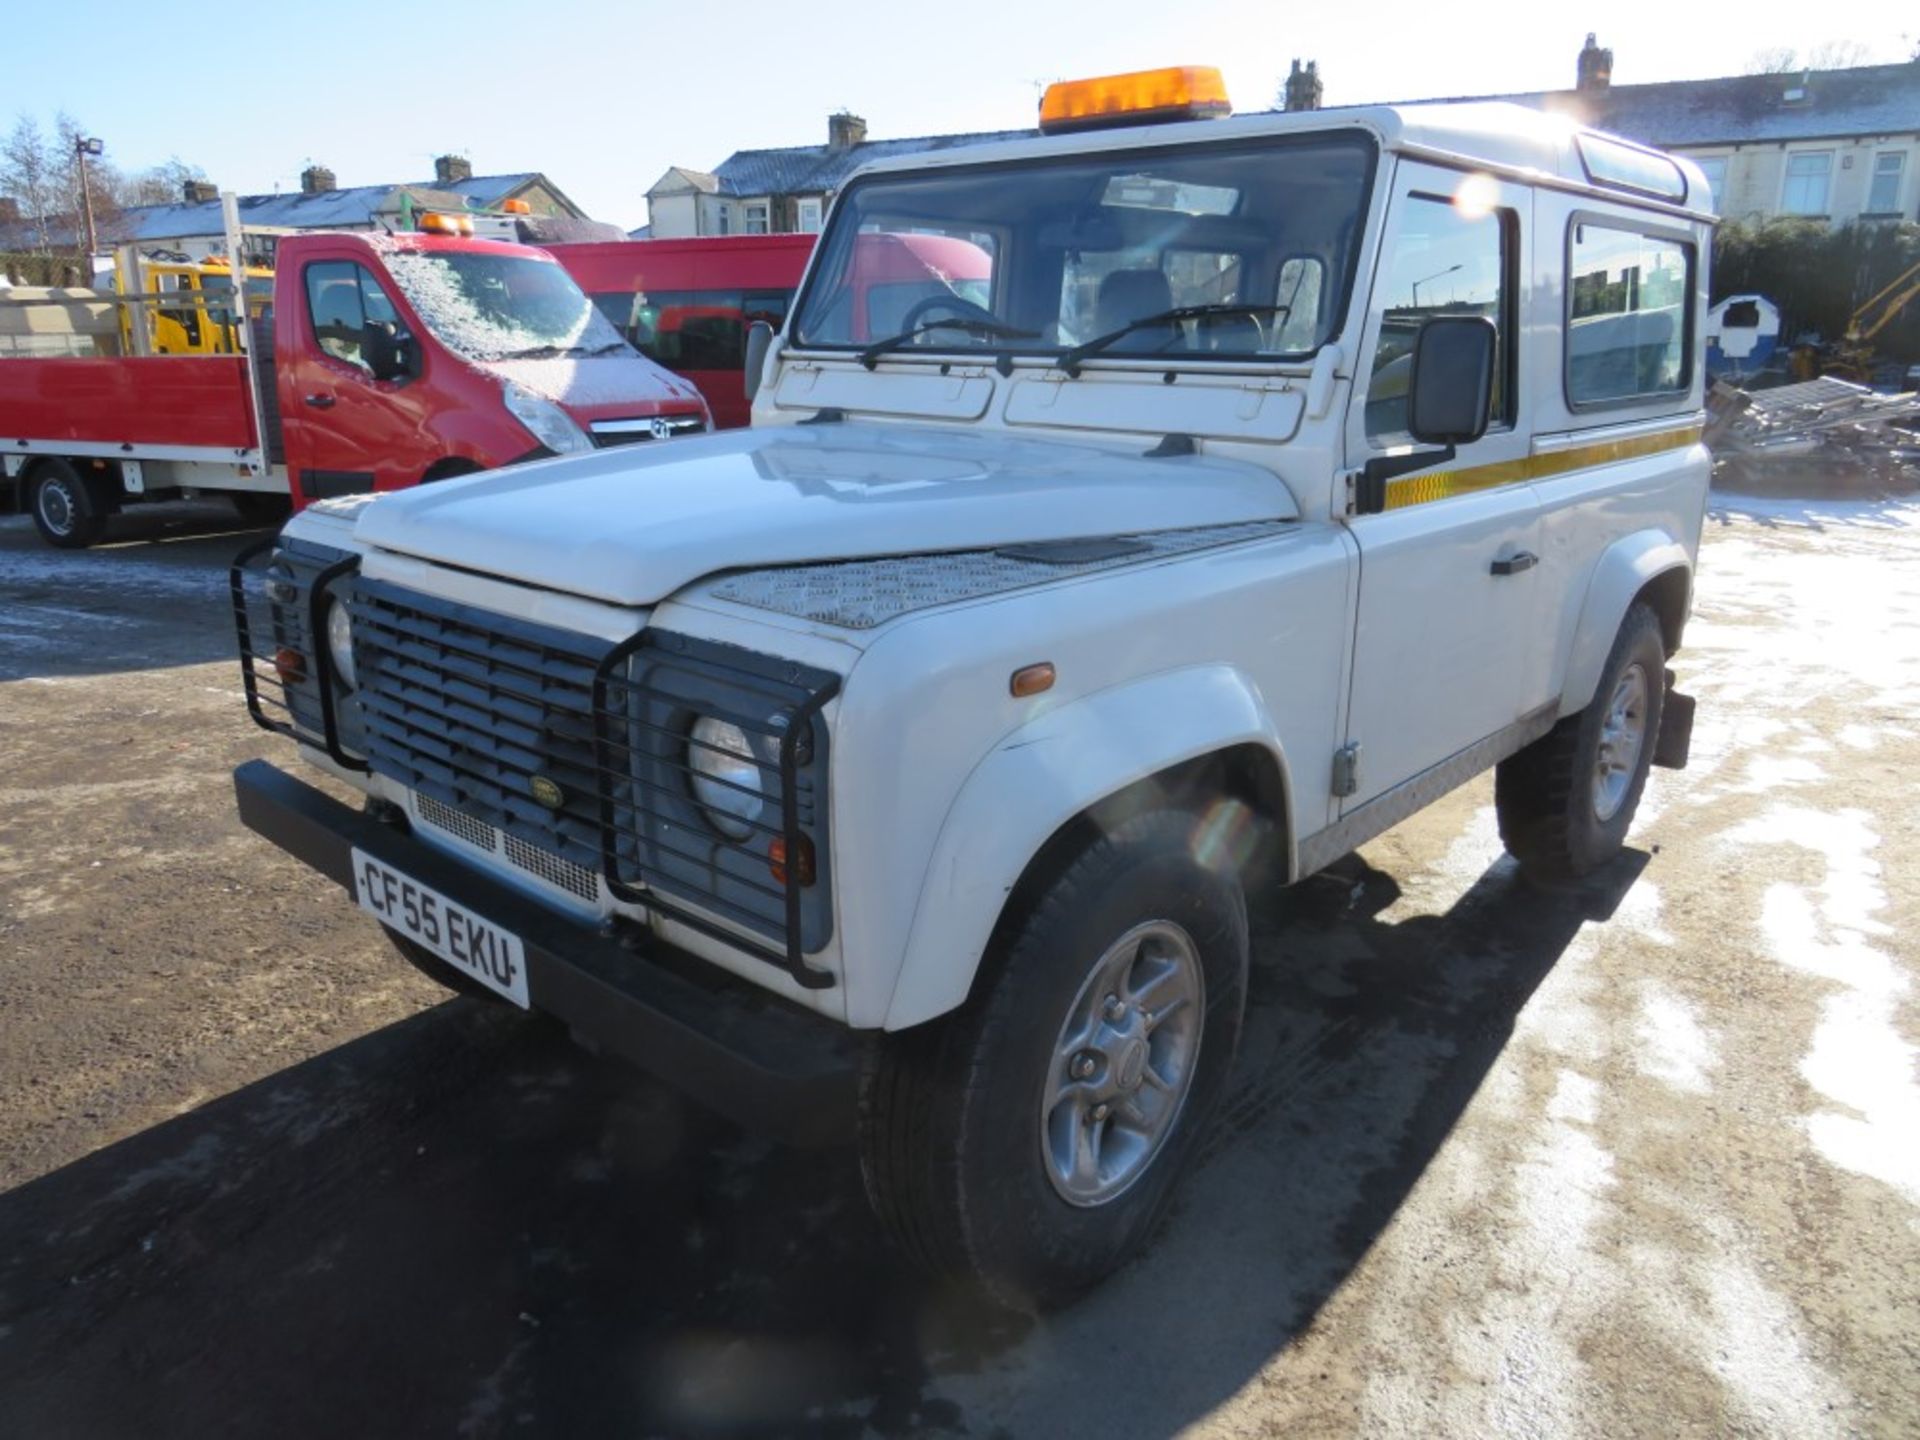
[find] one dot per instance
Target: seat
(1129, 295)
(1234, 335)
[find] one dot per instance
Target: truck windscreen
(1045, 255)
(501, 307)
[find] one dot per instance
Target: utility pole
(83, 147)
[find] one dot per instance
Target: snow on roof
(355, 206)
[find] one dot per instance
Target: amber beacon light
(1142, 97)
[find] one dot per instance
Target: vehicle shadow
(152, 594)
(461, 1223)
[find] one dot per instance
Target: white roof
(1495, 135)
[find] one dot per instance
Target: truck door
(345, 431)
(1448, 578)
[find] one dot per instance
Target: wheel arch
(1032, 803)
(1650, 566)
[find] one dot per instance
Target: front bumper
(763, 1063)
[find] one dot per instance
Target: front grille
(484, 716)
(470, 709)
(632, 432)
(576, 880)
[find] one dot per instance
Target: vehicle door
(345, 431)
(1448, 570)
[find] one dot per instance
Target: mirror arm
(1370, 486)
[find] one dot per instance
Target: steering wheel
(961, 307)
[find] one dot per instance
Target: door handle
(320, 402)
(1515, 563)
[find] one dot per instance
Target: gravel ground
(1638, 1158)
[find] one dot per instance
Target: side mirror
(759, 341)
(1450, 393)
(1449, 401)
(387, 349)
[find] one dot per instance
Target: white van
(900, 767)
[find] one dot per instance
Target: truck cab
(1224, 491)
(402, 358)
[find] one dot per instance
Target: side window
(1445, 262)
(341, 298)
(1627, 315)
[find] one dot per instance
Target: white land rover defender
(899, 768)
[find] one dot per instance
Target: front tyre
(68, 512)
(1030, 1140)
(1566, 801)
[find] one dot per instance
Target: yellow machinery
(190, 303)
(1852, 358)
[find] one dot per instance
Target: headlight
(721, 752)
(547, 422)
(340, 643)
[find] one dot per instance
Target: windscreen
(1043, 256)
(501, 307)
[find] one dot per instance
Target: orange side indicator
(1031, 680)
(803, 867)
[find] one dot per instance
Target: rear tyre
(1030, 1141)
(67, 511)
(257, 509)
(1566, 801)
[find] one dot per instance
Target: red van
(688, 303)
(391, 359)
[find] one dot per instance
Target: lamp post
(83, 147)
(1430, 279)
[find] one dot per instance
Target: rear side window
(341, 298)
(1628, 315)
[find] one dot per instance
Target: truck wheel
(1030, 1140)
(436, 969)
(1565, 802)
(67, 511)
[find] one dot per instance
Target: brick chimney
(198, 192)
(9, 210)
(845, 130)
(1303, 87)
(316, 180)
(452, 169)
(1594, 70)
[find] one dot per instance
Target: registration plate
(473, 946)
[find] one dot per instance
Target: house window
(1714, 167)
(1883, 195)
(1806, 189)
(810, 216)
(756, 217)
(726, 220)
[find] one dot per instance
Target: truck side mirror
(1450, 393)
(759, 341)
(387, 349)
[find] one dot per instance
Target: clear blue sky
(604, 95)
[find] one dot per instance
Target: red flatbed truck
(390, 360)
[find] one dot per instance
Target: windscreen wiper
(870, 356)
(1069, 360)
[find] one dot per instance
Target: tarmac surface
(1637, 1158)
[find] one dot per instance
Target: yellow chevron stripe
(1446, 484)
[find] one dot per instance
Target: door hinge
(1346, 770)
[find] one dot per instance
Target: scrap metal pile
(1847, 426)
